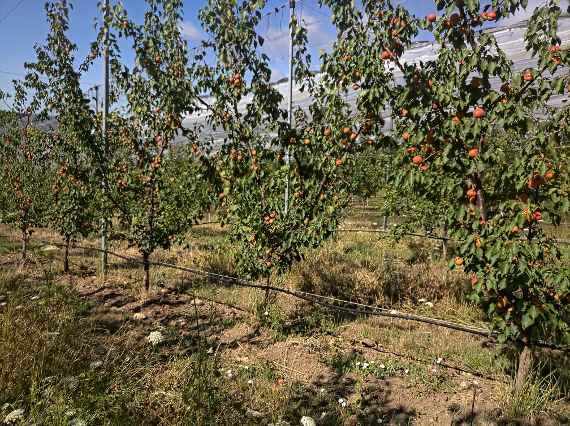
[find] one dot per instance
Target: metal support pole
(104, 129)
(290, 106)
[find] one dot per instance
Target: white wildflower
(382, 366)
(394, 312)
(155, 338)
(308, 421)
(250, 382)
(342, 402)
(406, 371)
(139, 316)
(364, 365)
(372, 362)
(323, 390)
(95, 364)
(230, 374)
(422, 300)
(429, 304)
(357, 363)
(439, 360)
(266, 313)
(14, 416)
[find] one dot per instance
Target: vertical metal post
(290, 106)
(104, 128)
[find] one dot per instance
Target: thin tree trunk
(146, 272)
(524, 368)
(66, 256)
(267, 294)
(444, 242)
(24, 245)
(385, 223)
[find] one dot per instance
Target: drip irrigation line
(360, 308)
(432, 237)
(382, 231)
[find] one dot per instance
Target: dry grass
(67, 356)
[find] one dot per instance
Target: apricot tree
(55, 82)
(157, 92)
(25, 174)
(470, 129)
(252, 167)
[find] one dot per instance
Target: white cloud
(190, 31)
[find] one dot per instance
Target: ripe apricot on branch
(406, 136)
(473, 152)
(479, 112)
(458, 261)
(554, 49)
(490, 16)
(386, 55)
(549, 176)
(431, 18)
(418, 159)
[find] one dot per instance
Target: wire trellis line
(325, 301)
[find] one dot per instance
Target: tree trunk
(525, 365)
(444, 243)
(24, 245)
(267, 300)
(66, 256)
(146, 272)
(385, 223)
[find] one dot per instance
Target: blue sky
(23, 23)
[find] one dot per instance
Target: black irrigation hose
(361, 309)
(382, 231)
(432, 237)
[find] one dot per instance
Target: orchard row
(487, 162)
